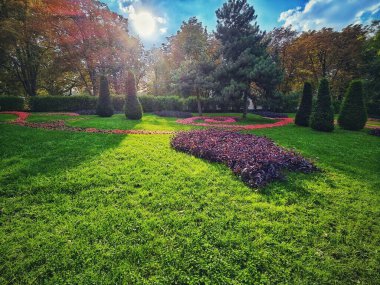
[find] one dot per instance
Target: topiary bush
(12, 103)
(104, 106)
(353, 114)
(304, 110)
(133, 109)
(322, 117)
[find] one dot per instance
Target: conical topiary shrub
(104, 106)
(304, 110)
(322, 117)
(353, 114)
(133, 109)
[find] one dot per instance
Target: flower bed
(256, 160)
(21, 116)
(221, 120)
(375, 132)
(226, 122)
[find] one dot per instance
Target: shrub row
(12, 103)
(256, 160)
(61, 103)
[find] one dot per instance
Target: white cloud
(132, 7)
(330, 13)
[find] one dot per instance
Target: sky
(154, 20)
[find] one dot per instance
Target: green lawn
(7, 117)
(79, 208)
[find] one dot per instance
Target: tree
(133, 109)
(192, 49)
(304, 110)
(371, 70)
(104, 107)
(353, 114)
(244, 52)
(322, 117)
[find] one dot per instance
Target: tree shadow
(27, 153)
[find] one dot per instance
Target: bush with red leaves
(256, 160)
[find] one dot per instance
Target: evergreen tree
(304, 110)
(353, 114)
(244, 51)
(322, 117)
(104, 106)
(133, 109)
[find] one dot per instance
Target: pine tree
(104, 106)
(322, 117)
(245, 55)
(133, 109)
(353, 114)
(304, 110)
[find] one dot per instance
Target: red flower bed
(21, 116)
(257, 160)
(225, 122)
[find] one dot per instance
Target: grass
(78, 208)
(7, 117)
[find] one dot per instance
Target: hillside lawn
(81, 208)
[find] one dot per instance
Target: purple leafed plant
(256, 160)
(375, 132)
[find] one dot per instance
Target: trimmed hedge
(104, 107)
(12, 103)
(133, 109)
(353, 115)
(322, 117)
(304, 111)
(62, 103)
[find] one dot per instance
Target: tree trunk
(94, 81)
(199, 105)
(245, 109)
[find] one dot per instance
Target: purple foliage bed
(256, 160)
(375, 132)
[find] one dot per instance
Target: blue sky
(301, 14)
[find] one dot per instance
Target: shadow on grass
(56, 152)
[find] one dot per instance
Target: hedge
(62, 103)
(12, 103)
(83, 103)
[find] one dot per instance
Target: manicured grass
(149, 122)
(112, 209)
(7, 117)
(250, 120)
(44, 117)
